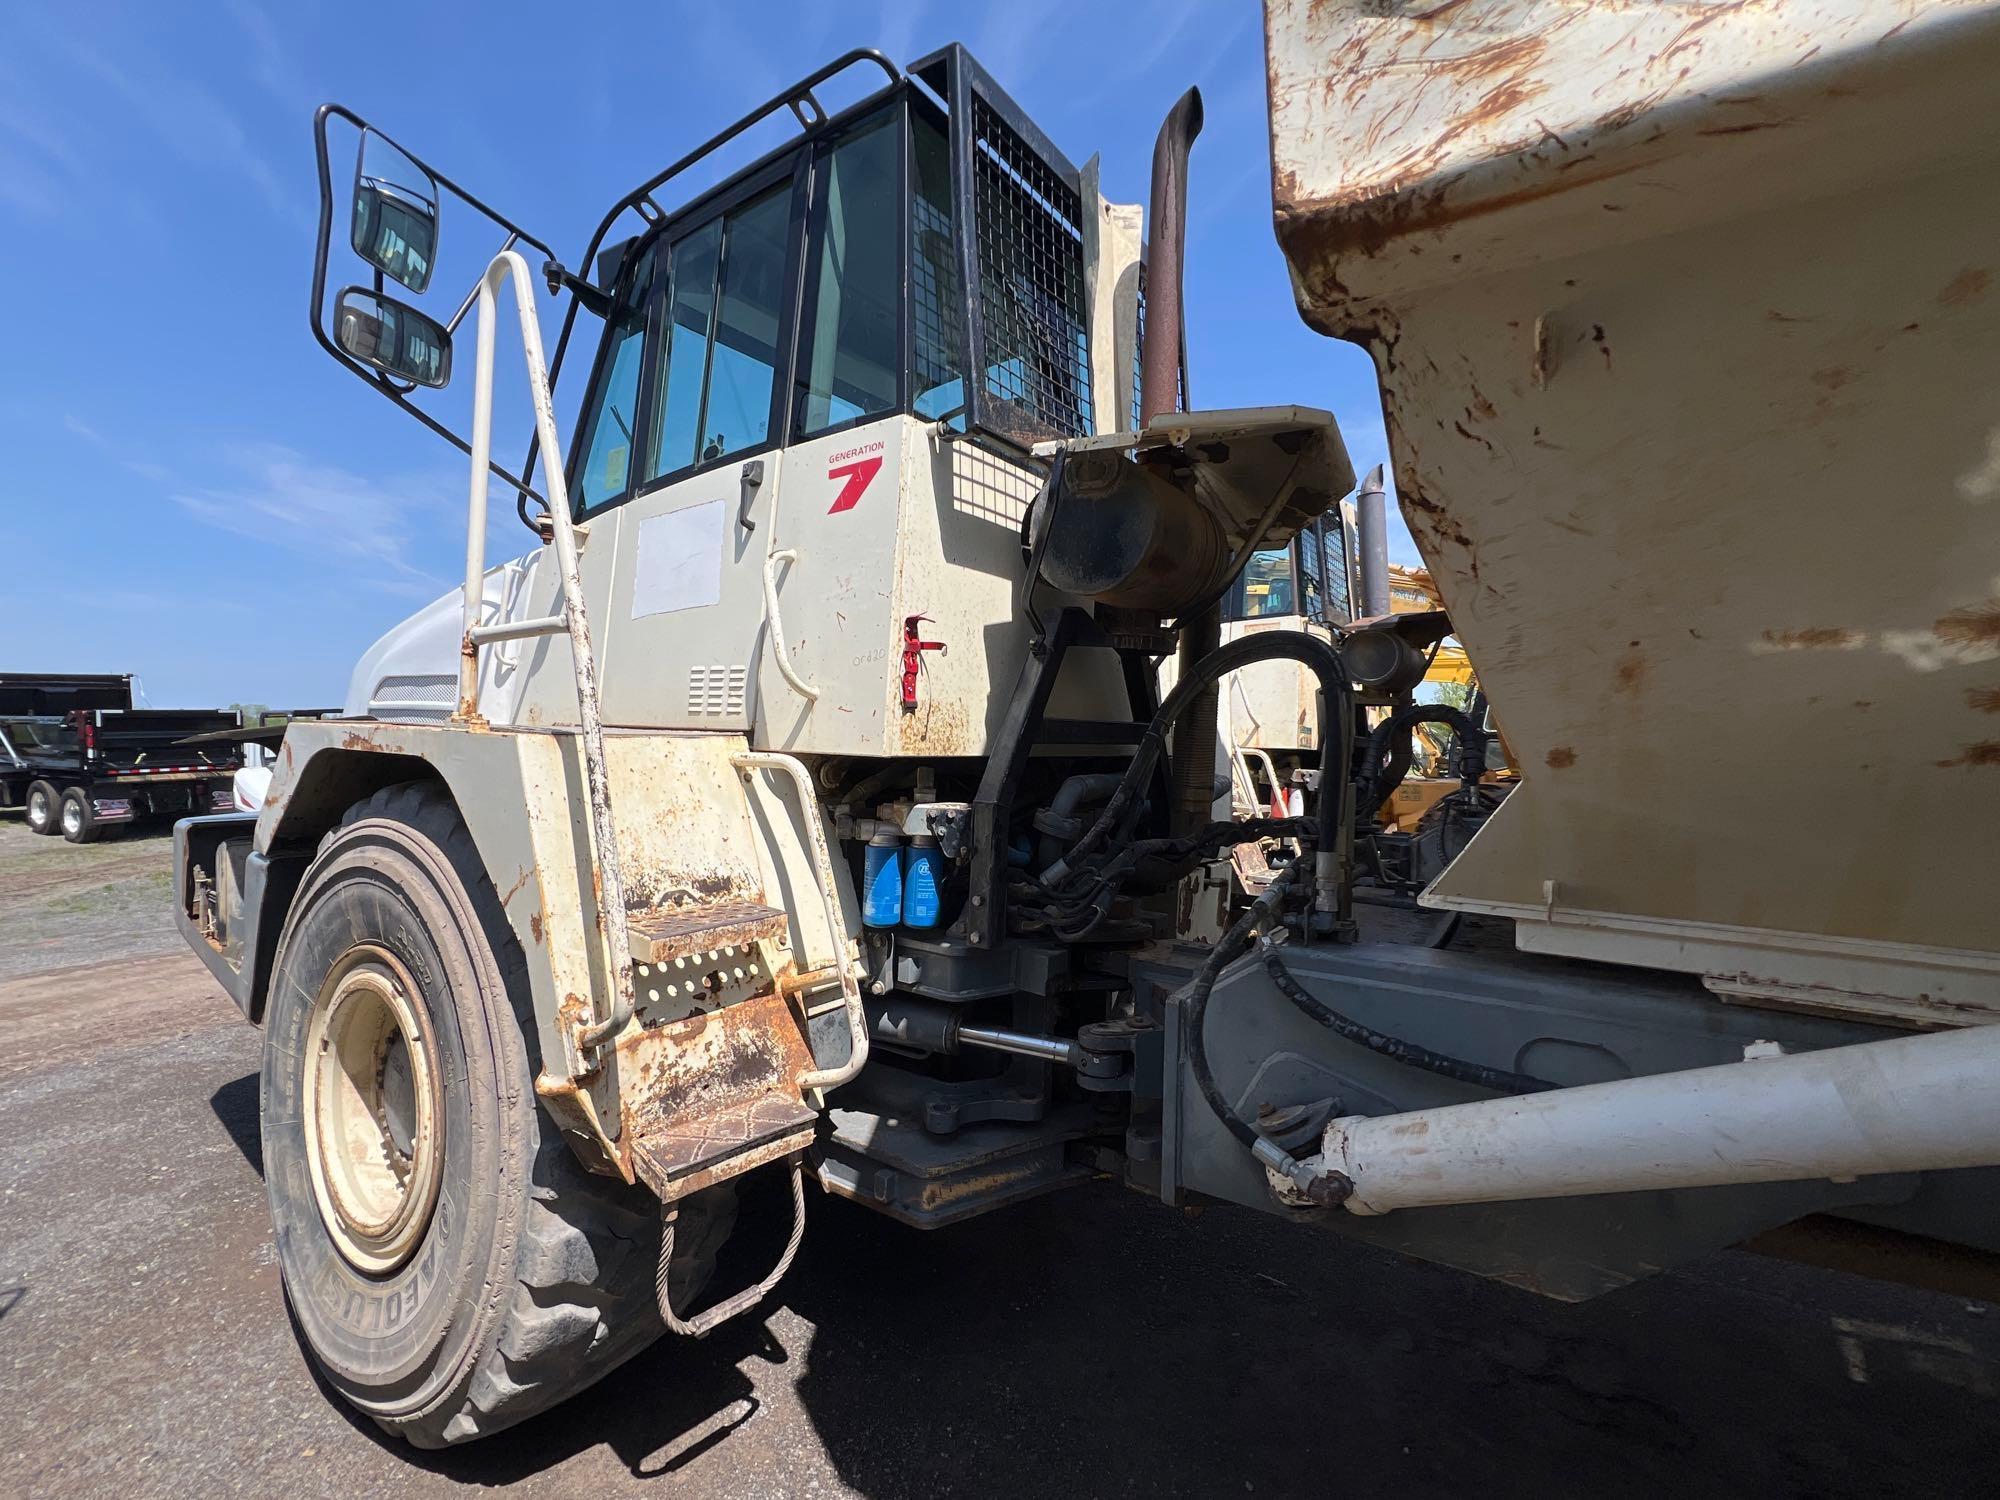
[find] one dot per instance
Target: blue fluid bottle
(921, 873)
(882, 881)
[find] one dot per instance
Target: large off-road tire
(450, 1266)
(42, 808)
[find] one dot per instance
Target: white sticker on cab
(680, 560)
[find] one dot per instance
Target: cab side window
(684, 350)
(1264, 587)
(724, 344)
(610, 427)
(749, 323)
(852, 354)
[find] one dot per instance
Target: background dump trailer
(80, 759)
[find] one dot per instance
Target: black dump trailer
(81, 760)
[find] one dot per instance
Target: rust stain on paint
(1967, 287)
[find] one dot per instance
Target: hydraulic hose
(1385, 760)
(1324, 1189)
(1262, 911)
(1059, 819)
(1334, 864)
(1395, 1048)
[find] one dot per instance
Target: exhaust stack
(1371, 525)
(1162, 362)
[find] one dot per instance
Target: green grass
(135, 890)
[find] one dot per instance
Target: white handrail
(777, 626)
(850, 987)
(508, 266)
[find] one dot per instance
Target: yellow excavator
(1449, 679)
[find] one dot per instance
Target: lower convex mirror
(393, 338)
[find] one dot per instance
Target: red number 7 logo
(858, 475)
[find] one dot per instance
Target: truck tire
(449, 1265)
(43, 806)
(78, 820)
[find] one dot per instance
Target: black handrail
(396, 391)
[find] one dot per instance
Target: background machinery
(802, 810)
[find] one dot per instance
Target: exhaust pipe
(1916, 1104)
(1161, 390)
(1371, 525)
(1165, 351)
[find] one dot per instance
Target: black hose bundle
(1074, 911)
(1263, 913)
(1394, 1047)
(1385, 759)
(1071, 897)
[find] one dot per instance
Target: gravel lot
(1090, 1343)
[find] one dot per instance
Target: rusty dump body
(1685, 319)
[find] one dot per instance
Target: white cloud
(896, 23)
(272, 68)
(286, 500)
(28, 188)
(199, 128)
(83, 430)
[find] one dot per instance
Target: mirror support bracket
(561, 279)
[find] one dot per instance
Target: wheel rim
(72, 816)
(38, 809)
(373, 1113)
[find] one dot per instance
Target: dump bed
(1685, 317)
(52, 694)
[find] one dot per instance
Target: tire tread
(583, 1299)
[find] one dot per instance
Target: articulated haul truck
(801, 812)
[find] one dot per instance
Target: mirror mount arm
(560, 279)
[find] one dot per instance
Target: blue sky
(198, 495)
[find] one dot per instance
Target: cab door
(693, 460)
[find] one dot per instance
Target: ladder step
(719, 1094)
(666, 933)
(692, 1149)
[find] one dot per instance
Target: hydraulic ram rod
(1915, 1104)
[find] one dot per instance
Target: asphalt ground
(1090, 1343)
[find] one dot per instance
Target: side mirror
(395, 213)
(392, 337)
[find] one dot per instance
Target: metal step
(666, 933)
(691, 1151)
(726, 1099)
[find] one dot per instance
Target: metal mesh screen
(1036, 348)
(1333, 552)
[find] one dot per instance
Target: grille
(1333, 544)
(427, 695)
(1036, 348)
(714, 691)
